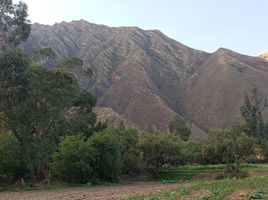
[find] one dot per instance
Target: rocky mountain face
(147, 78)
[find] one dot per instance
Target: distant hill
(147, 78)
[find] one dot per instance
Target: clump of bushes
(103, 156)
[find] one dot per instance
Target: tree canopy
(14, 25)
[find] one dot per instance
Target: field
(191, 182)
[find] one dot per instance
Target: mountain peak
(147, 78)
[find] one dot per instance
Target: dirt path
(88, 193)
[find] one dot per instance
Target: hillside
(147, 78)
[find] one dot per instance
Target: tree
(45, 56)
(162, 149)
(108, 158)
(233, 146)
(181, 127)
(254, 103)
(14, 25)
(10, 152)
(71, 62)
(33, 101)
(192, 152)
(73, 162)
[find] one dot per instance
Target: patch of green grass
(183, 173)
(184, 191)
(256, 195)
(217, 189)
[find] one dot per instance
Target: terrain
(147, 78)
(197, 183)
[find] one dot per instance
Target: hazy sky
(240, 25)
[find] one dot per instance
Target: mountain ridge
(148, 78)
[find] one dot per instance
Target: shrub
(161, 149)
(10, 163)
(108, 154)
(73, 162)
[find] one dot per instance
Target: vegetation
(249, 188)
(181, 127)
(161, 149)
(44, 56)
(231, 146)
(48, 128)
(14, 25)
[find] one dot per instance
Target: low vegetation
(48, 132)
(248, 189)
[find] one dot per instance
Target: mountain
(148, 78)
(264, 56)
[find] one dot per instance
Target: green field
(253, 187)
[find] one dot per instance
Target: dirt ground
(88, 193)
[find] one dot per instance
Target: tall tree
(181, 127)
(251, 111)
(33, 102)
(232, 146)
(14, 25)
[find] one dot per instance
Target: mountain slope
(148, 78)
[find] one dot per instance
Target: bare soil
(89, 193)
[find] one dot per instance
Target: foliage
(192, 152)
(254, 103)
(71, 62)
(105, 153)
(44, 56)
(14, 25)
(33, 102)
(181, 127)
(9, 153)
(108, 146)
(73, 162)
(214, 189)
(161, 149)
(232, 146)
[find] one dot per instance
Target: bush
(73, 162)
(162, 149)
(108, 154)
(10, 164)
(192, 152)
(103, 156)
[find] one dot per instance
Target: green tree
(45, 56)
(33, 101)
(254, 103)
(10, 152)
(192, 152)
(71, 62)
(162, 149)
(14, 25)
(74, 160)
(108, 147)
(181, 127)
(233, 146)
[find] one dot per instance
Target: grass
(185, 173)
(248, 188)
(254, 187)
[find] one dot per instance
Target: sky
(240, 25)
